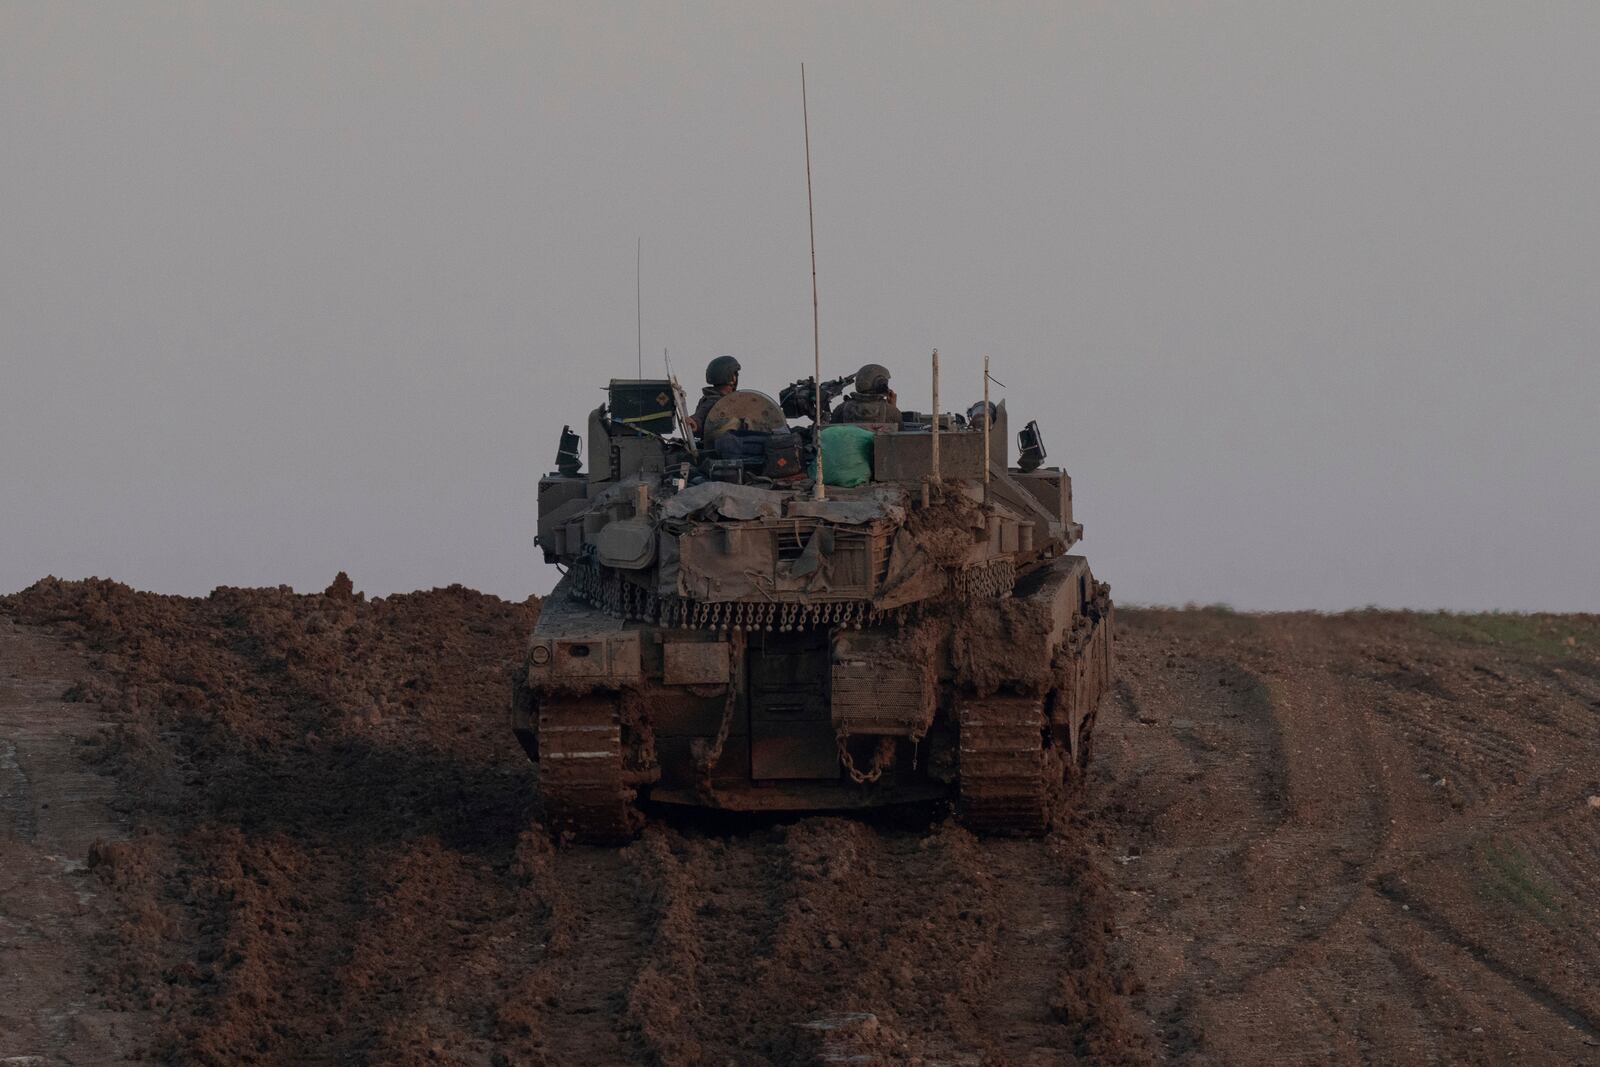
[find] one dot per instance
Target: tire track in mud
(1531, 987)
(1502, 880)
(1466, 1004)
(868, 922)
(1328, 824)
(571, 1005)
(1362, 977)
(665, 993)
(266, 919)
(917, 941)
(424, 985)
(1291, 816)
(329, 867)
(1569, 848)
(334, 814)
(836, 938)
(717, 903)
(1058, 920)
(1411, 1035)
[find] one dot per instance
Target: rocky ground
(260, 827)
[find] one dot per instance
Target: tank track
(581, 781)
(1018, 762)
(1005, 778)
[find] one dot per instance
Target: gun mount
(799, 399)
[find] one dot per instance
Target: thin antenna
(935, 445)
(986, 421)
(638, 297)
(816, 336)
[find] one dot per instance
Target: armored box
(907, 456)
(643, 404)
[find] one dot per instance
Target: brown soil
(328, 850)
(54, 808)
(1356, 839)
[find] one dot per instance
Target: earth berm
(262, 827)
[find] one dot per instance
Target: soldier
(873, 401)
(722, 378)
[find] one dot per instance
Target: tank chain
(604, 589)
(882, 757)
(707, 759)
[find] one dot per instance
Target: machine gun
(800, 399)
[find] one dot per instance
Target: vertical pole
(816, 337)
(986, 421)
(638, 298)
(936, 475)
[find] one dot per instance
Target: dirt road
(1351, 839)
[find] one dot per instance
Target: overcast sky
(1305, 296)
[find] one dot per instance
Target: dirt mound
(1362, 838)
(336, 856)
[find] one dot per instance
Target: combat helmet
(723, 370)
(872, 379)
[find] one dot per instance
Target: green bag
(846, 456)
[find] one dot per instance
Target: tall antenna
(986, 421)
(638, 297)
(816, 336)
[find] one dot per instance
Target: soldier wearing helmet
(722, 378)
(873, 401)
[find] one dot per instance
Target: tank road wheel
(1005, 765)
(580, 770)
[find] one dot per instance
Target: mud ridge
(1347, 839)
(335, 856)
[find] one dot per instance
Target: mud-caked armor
(724, 635)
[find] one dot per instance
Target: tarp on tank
(710, 500)
(849, 512)
(726, 562)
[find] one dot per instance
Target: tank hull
(989, 705)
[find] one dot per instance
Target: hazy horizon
(1303, 297)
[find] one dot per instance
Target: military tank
(725, 636)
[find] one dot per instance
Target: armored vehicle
(725, 635)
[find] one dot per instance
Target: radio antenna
(638, 297)
(816, 336)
